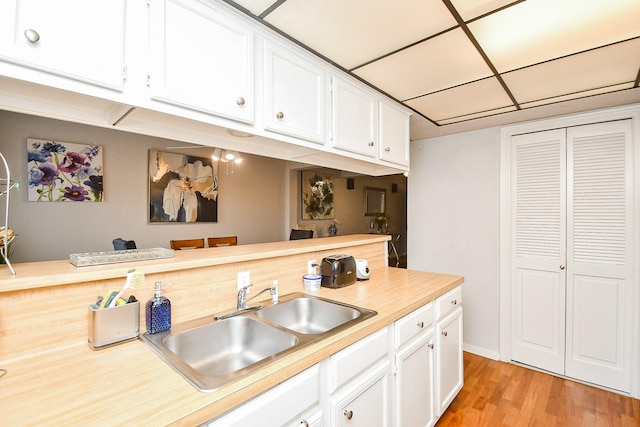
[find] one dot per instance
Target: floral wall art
(182, 188)
(64, 171)
(317, 196)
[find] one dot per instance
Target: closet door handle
(562, 267)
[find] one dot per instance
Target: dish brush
(134, 280)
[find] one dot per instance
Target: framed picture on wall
(317, 196)
(64, 171)
(182, 189)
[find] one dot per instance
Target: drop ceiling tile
(478, 97)
(597, 68)
(353, 32)
(439, 63)
(584, 94)
(538, 30)
(470, 9)
(479, 115)
(255, 6)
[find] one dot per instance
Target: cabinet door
(415, 395)
(201, 59)
(365, 403)
(295, 95)
(449, 367)
(394, 134)
(354, 118)
(79, 39)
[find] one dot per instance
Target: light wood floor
(501, 394)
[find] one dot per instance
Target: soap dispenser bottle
(158, 312)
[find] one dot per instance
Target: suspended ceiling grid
(468, 64)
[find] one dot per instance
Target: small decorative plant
(381, 223)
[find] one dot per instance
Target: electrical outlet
(312, 267)
(244, 279)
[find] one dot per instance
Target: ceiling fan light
(237, 157)
(229, 155)
(216, 154)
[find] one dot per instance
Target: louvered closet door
(538, 249)
(599, 248)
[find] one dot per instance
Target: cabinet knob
(444, 333)
(430, 345)
(280, 115)
(348, 414)
(304, 423)
(31, 35)
(240, 101)
(387, 149)
(371, 144)
(562, 267)
(420, 324)
(454, 302)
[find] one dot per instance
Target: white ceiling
(468, 64)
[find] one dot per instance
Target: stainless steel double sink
(210, 353)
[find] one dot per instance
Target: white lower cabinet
(404, 375)
(292, 403)
(414, 382)
(448, 345)
(365, 403)
(358, 383)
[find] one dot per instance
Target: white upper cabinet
(294, 94)
(354, 117)
(78, 39)
(364, 124)
(201, 59)
(394, 134)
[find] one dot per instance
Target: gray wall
(258, 200)
(251, 199)
(453, 218)
(349, 205)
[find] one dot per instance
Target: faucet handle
(274, 292)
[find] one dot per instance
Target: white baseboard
(481, 351)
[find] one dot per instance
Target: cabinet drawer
(412, 324)
(358, 357)
(277, 406)
(448, 302)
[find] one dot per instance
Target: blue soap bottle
(158, 312)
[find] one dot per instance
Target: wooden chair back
(222, 241)
(300, 234)
(187, 244)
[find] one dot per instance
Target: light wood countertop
(128, 384)
(32, 275)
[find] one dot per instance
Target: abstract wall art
(317, 196)
(182, 189)
(64, 171)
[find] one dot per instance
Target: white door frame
(618, 113)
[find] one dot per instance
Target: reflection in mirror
(374, 201)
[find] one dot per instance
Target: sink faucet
(241, 305)
(242, 295)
